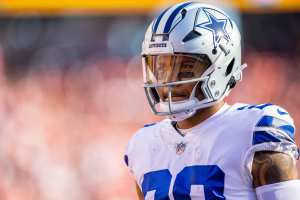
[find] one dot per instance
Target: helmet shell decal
(168, 19)
(217, 24)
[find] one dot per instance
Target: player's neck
(200, 116)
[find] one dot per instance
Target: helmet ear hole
(230, 67)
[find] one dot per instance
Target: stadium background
(71, 95)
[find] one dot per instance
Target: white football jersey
(213, 160)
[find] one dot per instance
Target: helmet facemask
(173, 82)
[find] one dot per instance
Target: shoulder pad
(273, 130)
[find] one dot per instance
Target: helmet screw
(214, 51)
(212, 83)
(217, 93)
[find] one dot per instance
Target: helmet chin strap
(182, 105)
(182, 115)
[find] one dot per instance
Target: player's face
(162, 69)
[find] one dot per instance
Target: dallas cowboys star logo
(216, 26)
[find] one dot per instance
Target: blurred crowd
(63, 135)
(63, 130)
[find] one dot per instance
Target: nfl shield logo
(180, 148)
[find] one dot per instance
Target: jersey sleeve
(130, 153)
(273, 131)
(137, 150)
(126, 157)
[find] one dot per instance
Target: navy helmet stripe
(155, 26)
(173, 15)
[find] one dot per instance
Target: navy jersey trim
(264, 136)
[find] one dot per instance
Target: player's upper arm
(273, 152)
(139, 192)
(272, 167)
(129, 157)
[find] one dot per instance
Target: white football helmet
(190, 43)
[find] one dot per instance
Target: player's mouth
(177, 97)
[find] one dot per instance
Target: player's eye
(185, 75)
(187, 65)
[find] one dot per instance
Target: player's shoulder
(266, 110)
(272, 129)
(149, 131)
(271, 123)
(146, 135)
(141, 142)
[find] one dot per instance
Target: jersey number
(210, 176)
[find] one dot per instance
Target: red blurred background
(71, 95)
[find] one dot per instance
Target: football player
(207, 149)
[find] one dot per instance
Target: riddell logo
(158, 45)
